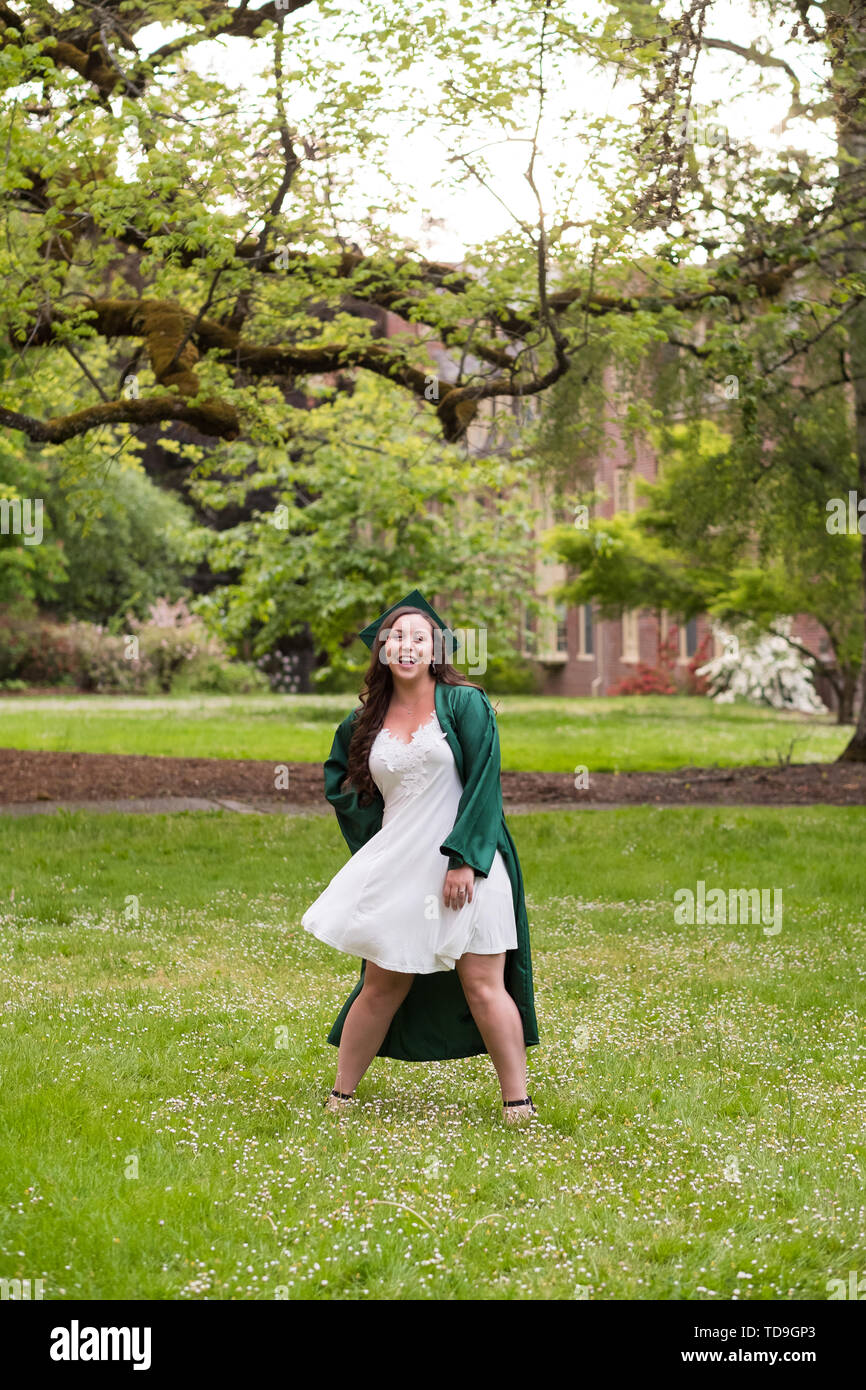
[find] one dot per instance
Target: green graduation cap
(414, 600)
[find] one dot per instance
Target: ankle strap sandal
(336, 1100)
(527, 1100)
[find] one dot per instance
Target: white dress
(385, 904)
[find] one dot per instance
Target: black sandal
(527, 1100)
(342, 1095)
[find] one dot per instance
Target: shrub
(169, 638)
(18, 631)
(105, 663)
(516, 676)
(208, 675)
(695, 683)
(172, 646)
(665, 678)
(38, 650)
(653, 680)
(647, 680)
(763, 669)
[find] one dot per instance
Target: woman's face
(409, 648)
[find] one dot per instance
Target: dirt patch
(30, 777)
(800, 784)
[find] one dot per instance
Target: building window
(585, 631)
(629, 636)
(528, 634)
(688, 639)
(561, 628)
(623, 490)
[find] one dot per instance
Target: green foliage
(371, 506)
(209, 675)
(30, 572)
(170, 650)
(117, 195)
(719, 533)
(622, 566)
(105, 549)
(126, 555)
(515, 676)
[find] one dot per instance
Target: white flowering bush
(766, 670)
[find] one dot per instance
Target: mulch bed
(44, 776)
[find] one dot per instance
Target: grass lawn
(538, 734)
(701, 1088)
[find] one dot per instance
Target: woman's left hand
(459, 887)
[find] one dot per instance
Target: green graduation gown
(434, 1022)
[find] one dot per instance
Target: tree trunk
(845, 692)
(855, 750)
(852, 140)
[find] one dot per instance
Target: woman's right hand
(459, 887)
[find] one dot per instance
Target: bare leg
(367, 1022)
(498, 1019)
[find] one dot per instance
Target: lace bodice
(409, 760)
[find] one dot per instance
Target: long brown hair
(375, 697)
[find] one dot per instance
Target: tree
(31, 567)
(798, 215)
(226, 273)
(445, 523)
(748, 547)
(229, 272)
(171, 296)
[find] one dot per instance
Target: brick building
(579, 653)
(574, 650)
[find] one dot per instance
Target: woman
(446, 969)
